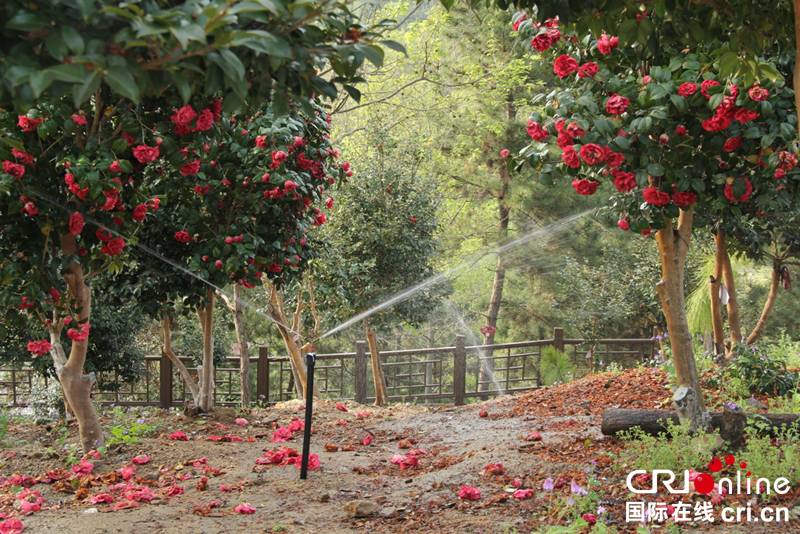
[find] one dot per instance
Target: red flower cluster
(113, 247)
(683, 199)
(79, 334)
(190, 168)
(745, 196)
(536, 131)
(624, 181)
(145, 154)
(184, 116)
(23, 157)
(758, 94)
(592, 154)
(564, 66)
(546, 38)
(39, 348)
(605, 43)
(585, 187)
(28, 125)
(655, 197)
(687, 89)
(183, 237)
(617, 105)
(732, 144)
(14, 169)
(587, 70)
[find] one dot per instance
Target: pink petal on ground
(12, 526)
(242, 421)
(141, 459)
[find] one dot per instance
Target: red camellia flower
(103, 234)
(329, 204)
(564, 140)
(587, 70)
(28, 125)
(205, 120)
(570, 157)
(624, 181)
(681, 131)
(624, 224)
(585, 187)
(705, 85)
(573, 130)
(758, 94)
(613, 159)
(564, 66)
(75, 223)
(190, 168)
(541, 42)
(745, 115)
(261, 141)
(113, 247)
(183, 236)
(606, 43)
(687, 89)
(744, 197)
(80, 120)
(14, 169)
(717, 123)
(779, 173)
(732, 144)
(469, 493)
(536, 131)
(515, 25)
(683, 199)
(617, 105)
(145, 154)
(589, 518)
(128, 138)
(560, 126)
(139, 213)
(787, 160)
(655, 197)
(592, 154)
(22, 157)
(184, 116)
(505, 153)
(278, 158)
(39, 348)
(115, 167)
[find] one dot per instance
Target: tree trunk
(716, 304)
(290, 341)
(673, 245)
(188, 381)
(654, 422)
(755, 335)
(235, 307)
(77, 386)
(730, 284)
(486, 375)
(381, 396)
(205, 314)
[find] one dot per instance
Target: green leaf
(787, 131)
(56, 46)
(73, 39)
(373, 53)
(447, 4)
(183, 86)
(655, 169)
(11, 142)
(68, 73)
(121, 81)
(39, 81)
(680, 103)
(264, 42)
(191, 32)
(26, 21)
(229, 63)
(728, 64)
(82, 92)
(354, 93)
(394, 45)
(125, 165)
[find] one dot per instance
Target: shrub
(676, 449)
(762, 371)
(555, 366)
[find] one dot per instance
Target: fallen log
(653, 422)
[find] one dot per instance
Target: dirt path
(458, 443)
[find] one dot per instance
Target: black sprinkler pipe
(311, 359)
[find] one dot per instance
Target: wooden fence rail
(442, 374)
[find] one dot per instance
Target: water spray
(311, 359)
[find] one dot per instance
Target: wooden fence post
(262, 375)
(165, 382)
(459, 371)
(558, 338)
(360, 372)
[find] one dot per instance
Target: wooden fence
(442, 375)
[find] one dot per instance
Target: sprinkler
(311, 359)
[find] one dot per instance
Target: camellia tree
(683, 139)
(81, 89)
(240, 193)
